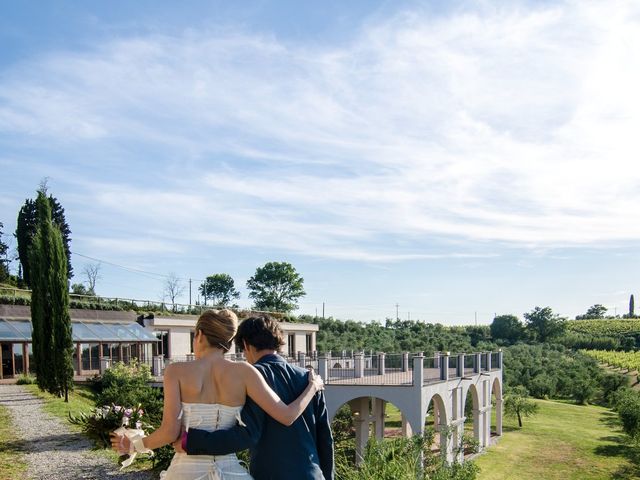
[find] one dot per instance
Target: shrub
(628, 407)
(26, 379)
(129, 385)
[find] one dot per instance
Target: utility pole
(397, 313)
(189, 292)
(475, 314)
(323, 310)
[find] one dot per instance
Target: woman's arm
(169, 430)
(268, 400)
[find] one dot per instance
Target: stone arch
(441, 416)
(368, 410)
(496, 390)
(475, 411)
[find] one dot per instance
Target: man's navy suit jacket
(303, 451)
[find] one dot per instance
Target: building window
(162, 347)
(309, 344)
(291, 340)
(192, 336)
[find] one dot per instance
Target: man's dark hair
(262, 332)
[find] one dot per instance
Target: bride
(209, 393)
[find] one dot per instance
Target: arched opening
(337, 365)
(364, 418)
(471, 440)
(436, 421)
(496, 408)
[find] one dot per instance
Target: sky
(439, 161)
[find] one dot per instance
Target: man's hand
(120, 443)
(177, 445)
(316, 381)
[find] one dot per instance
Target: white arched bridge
(418, 386)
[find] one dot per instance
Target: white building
(176, 336)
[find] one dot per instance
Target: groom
(303, 451)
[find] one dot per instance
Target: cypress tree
(26, 230)
(632, 307)
(52, 339)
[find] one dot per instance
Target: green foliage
(594, 312)
(627, 360)
(516, 404)
(52, 339)
(508, 328)
(276, 286)
(220, 289)
(632, 307)
(4, 260)
(25, 379)
(101, 421)
(606, 328)
(26, 230)
(403, 459)
(124, 384)
(79, 289)
(399, 336)
(578, 341)
(543, 324)
(628, 407)
(549, 371)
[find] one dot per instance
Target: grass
(12, 464)
(81, 400)
(563, 441)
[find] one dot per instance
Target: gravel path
(52, 449)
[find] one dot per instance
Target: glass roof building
(94, 339)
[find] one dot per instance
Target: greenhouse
(93, 340)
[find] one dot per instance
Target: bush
(628, 407)
(129, 385)
(26, 379)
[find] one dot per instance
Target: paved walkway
(52, 450)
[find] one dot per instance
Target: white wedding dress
(210, 417)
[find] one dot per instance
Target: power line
(130, 269)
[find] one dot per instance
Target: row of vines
(627, 360)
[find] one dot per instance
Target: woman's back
(212, 380)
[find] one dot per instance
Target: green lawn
(563, 441)
(12, 464)
(80, 400)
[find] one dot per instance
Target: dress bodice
(209, 416)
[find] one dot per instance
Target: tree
(507, 327)
(593, 312)
(52, 339)
(220, 289)
(92, 272)
(632, 307)
(544, 324)
(4, 260)
(79, 289)
(517, 404)
(628, 407)
(26, 229)
(276, 286)
(173, 288)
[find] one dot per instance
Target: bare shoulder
(177, 369)
(240, 368)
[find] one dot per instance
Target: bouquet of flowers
(101, 421)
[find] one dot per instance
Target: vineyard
(627, 360)
(606, 328)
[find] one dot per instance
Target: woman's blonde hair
(219, 327)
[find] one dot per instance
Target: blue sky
(460, 159)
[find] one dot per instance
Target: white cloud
(500, 124)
